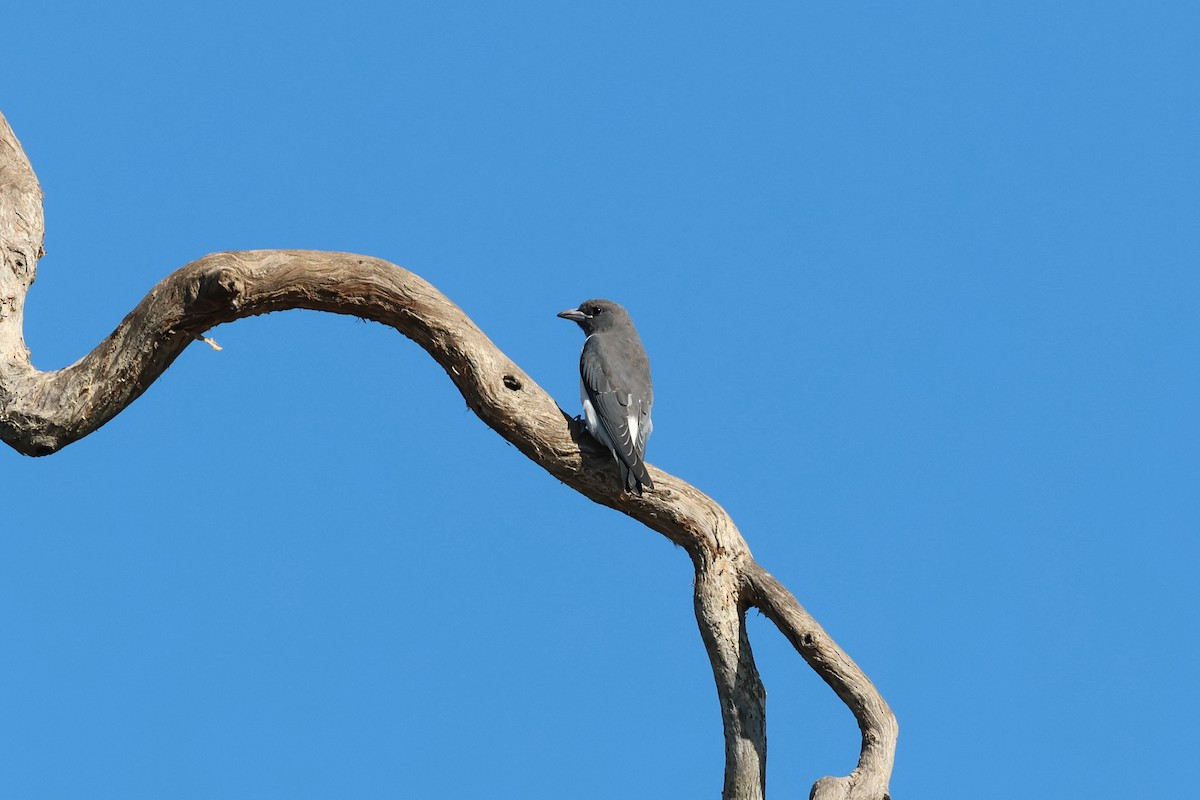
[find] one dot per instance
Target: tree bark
(42, 412)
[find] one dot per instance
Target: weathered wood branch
(42, 412)
(875, 719)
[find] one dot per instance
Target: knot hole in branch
(512, 382)
(219, 287)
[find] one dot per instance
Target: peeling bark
(42, 412)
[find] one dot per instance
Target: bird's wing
(624, 416)
(645, 426)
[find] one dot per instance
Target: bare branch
(875, 719)
(42, 412)
(739, 687)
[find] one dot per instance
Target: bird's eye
(596, 310)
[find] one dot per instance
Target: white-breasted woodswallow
(615, 386)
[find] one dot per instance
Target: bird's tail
(636, 477)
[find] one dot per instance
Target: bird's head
(596, 315)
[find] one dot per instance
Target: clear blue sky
(920, 287)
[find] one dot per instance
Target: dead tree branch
(42, 412)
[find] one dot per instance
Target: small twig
(202, 338)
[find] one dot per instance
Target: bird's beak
(573, 314)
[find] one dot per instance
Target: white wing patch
(589, 414)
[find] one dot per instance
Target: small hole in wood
(512, 383)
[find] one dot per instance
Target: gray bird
(614, 384)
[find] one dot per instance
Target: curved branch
(875, 720)
(42, 412)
